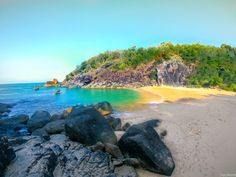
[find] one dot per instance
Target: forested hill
(188, 64)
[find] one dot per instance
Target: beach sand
(200, 133)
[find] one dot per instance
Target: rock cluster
(82, 142)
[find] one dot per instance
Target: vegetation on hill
(212, 66)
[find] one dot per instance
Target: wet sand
(200, 134)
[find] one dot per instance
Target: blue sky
(43, 39)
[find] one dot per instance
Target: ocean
(28, 100)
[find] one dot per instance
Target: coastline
(199, 133)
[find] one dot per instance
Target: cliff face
(171, 72)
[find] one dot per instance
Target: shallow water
(27, 100)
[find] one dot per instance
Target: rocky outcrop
(38, 120)
(142, 142)
(60, 157)
(172, 72)
(6, 154)
(88, 126)
(79, 81)
(53, 83)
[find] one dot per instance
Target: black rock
(142, 142)
(18, 119)
(126, 126)
(89, 127)
(115, 123)
(55, 127)
(7, 154)
(38, 120)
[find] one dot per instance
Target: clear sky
(43, 39)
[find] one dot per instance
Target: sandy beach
(200, 130)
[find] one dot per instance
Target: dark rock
(41, 132)
(57, 117)
(18, 119)
(89, 127)
(142, 142)
(126, 126)
(7, 154)
(132, 162)
(104, 108)
(55, 127)
(32, 159)
(115, 123)
(163, 133)
(38, 120)
(113, 150)
(98, 146)
(13, 130)
(152, 123)
(5, 108)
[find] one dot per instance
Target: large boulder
(7, 154)
(38, 120)
(55, 127)
(142, 142)
(88, 126)
(104, 108)
(18, 119)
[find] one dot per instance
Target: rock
(57, 117)
(125, 171)
(7, 154)
(163, 133)
(126, 126)
(58, 157)
(13, 130)
(89, 127)
(98, 146)
(38, 120)
(53, 83)
(5, 108)
(55, 127)
(104, 108)
(41, 132)
(152, 123)
(113, 150)
(142, 142)
(172, 72)
(115, 123)
(132, 162)
(32, 159)
(18, 119)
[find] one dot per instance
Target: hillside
(191, 65)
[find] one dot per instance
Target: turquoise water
(27, 100)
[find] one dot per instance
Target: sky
(45, 39)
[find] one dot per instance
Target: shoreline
(199, 133)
